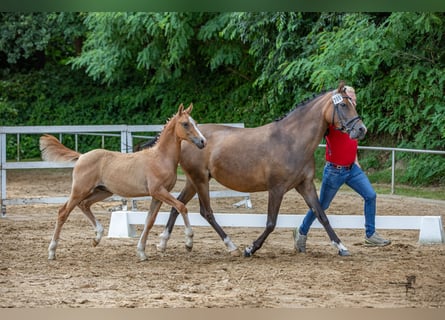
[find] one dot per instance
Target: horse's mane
(303, 103)
(152, 142)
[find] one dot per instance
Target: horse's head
(344, 115)
(187, 129)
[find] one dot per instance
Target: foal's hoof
(343, 253)
(142, 256)
(235, 253)
(160, 248)
(95, 243)
(188, 248)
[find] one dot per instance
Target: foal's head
(344, 115)
(187, 129)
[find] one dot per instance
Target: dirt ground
(110, 275)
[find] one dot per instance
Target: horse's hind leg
(185, 196)
(63, 214)
(273, 207)
(85, 206)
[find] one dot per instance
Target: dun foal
(101, 173)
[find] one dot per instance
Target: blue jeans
(333, 179)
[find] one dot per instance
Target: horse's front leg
(309, 193)
(185, 196)
(207, 213)
(163, 195)
(273, 207)
(149, 221)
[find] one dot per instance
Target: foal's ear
(189, 109)
(181, 109)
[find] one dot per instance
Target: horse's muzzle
(200, 142)
(358, 133)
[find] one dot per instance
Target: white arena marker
(120, 227)
(431, 230)
(430, 227)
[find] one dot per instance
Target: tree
(23, 36)
(156, 46)
(28, 40)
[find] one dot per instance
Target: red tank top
(340, 148)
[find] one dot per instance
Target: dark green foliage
(251, 67)
(22, 35)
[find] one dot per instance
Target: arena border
(122, 223)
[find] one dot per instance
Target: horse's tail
(53, 150)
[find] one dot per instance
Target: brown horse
(100, 173)
(276, 157)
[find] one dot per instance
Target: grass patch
(434, 193)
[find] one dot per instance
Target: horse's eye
(185, 124)
(344, 105)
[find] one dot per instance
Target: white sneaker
(376, 241)
(299, 240)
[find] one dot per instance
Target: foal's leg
(155, 205)
(166, 197)
(85, 205)
(273, 207)
(309, 193)
(159, 195)
(63, 214)
(185, 196)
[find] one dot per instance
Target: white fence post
(2, 172)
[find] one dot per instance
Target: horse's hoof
(248, 252)
(188, 248)
(343, 253)
(235, 253)
(52, 257)
(95, 243)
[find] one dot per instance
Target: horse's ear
(341, 87)
(181, 109)
(189, 109)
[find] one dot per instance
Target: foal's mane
(152, 142)
(303, 103)
(147, 144)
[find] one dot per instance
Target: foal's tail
(53, 150)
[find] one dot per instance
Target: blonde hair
(351, 93)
